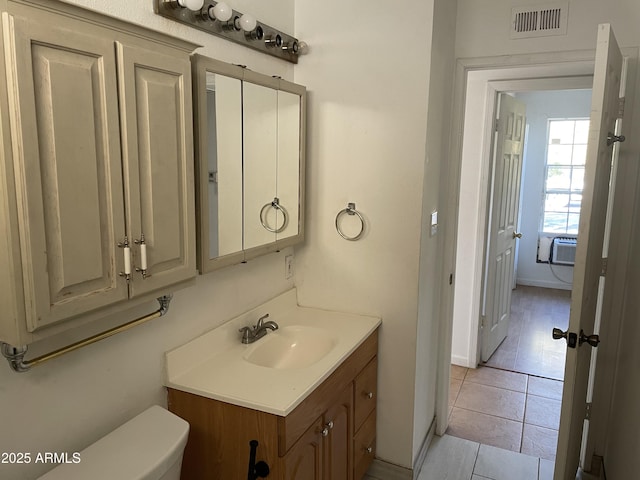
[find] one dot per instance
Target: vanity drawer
(364, 446)
(366, 392)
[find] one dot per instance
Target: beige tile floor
(508, 410)
(529, 347)
(451, 458)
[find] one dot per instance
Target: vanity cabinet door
(338, 425)
(304, 461)
(155, 102)
(66, 154)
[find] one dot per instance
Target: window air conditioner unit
(564, 251)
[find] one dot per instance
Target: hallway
(513, 401)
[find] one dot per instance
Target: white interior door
(588, 283)
(502, 236)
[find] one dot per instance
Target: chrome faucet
(251, 334)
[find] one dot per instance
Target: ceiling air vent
(539, 20)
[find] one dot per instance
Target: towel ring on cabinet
(350, 210)
(274, 204)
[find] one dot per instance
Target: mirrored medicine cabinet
(250, 141)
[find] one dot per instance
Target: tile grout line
(475, 462)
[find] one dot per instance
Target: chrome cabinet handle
(143, 257)
(328, 426)
(127, 259)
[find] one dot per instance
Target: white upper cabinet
(96, 136)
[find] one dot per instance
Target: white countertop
(213, 366)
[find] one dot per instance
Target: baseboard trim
(460, 360)
(544, 284)
(381, 470)
(422, 454)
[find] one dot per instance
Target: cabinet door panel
(364, 446)
(155, 93)
(66, 149)
(304, 460)
(339, 441)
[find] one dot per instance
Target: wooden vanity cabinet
(329, 436)
(96, 140)
(325, 450)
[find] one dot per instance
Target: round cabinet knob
(330, 424)
(325, 432)
(369, 395)
(369, 450)
(517, 235)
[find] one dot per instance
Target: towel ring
(276, 205)
(350, 210)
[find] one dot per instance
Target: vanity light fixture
(246, 22)
(220, 11)
(194, 5)
(218, 18)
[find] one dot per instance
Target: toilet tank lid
(144, 448)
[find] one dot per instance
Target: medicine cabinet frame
(200, 66)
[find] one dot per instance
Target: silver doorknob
(592, 340)
(570, 337)
(517, 235)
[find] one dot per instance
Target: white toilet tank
(147, 447)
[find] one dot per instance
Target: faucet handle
(246, 334)
(261, 320)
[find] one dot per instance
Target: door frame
(493, 89)
(509, 68)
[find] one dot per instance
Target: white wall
(431, 280)
(542, 106)
(70, 402)
(369, 86)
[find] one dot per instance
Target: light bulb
(195, 5)
(222, 12)
(247, 23)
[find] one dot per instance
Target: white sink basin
(276, 373)
(291, 347)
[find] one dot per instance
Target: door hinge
(587, 411)
(603, 270)
(451, 279)
(497, 124)
(483, 320)
(621, 102)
